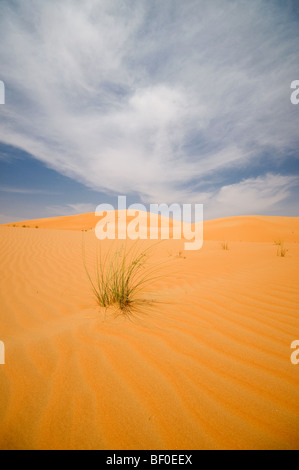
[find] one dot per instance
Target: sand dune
(205, 365)
(253, 228)
(242, 228)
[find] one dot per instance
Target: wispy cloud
(11, 189)
(264, 194)
(70, 209)
(148, 97)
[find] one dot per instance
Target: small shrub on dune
(120, 277)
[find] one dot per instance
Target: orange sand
(205, 366)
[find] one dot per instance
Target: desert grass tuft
(282, 251)
(224, 246)
(120, 277)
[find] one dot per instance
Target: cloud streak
(149, 98)
(11, 189)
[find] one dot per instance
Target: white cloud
(69, 209)
(266, 195)
(146, 97)
(11, 189)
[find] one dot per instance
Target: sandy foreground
(203, 362)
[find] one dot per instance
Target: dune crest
(241, 228)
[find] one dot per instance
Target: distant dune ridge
(204, 363)
(241, 228)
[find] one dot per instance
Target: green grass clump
(120, 276)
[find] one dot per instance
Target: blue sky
(163, 101)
